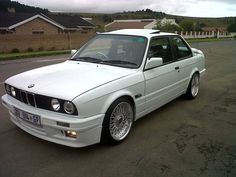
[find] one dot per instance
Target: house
(138, 24)
(131, 24)
(19, 23)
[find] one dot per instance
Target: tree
(100, 28)
(197, 26)
(107, 18)
(202, 25)
(167, 27)
(187, 25)
(232, 27)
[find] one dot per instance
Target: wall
(43, 41)
(201, 35)
(36, 25)
(151, 25)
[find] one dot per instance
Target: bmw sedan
(113, 80)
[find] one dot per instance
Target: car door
(160, 82)
(184, 60)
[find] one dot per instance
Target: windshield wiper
(88, 59)
(119, 62)
(96, 60)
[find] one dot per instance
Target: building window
(37, 32)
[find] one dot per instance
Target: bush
(15, 50)
(187, 25)
(30, 50)
(232, 27)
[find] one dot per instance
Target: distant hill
(100, 19)
(19, 8)
(140, 14)
(206, 21)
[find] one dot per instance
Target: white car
(112, 81)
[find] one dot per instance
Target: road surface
(184, 138)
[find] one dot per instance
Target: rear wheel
(193, 87)
(118, 121)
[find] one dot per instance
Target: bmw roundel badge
(31, 86)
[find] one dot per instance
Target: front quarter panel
(98, 100)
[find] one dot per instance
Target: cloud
(222, 1)
(168, 6)
(183, 7)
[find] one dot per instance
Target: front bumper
(88, 129)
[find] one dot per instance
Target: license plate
(28, 117)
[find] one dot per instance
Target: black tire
(193, 87)
(108, 124)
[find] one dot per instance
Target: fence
(211, 34)
(35, 42)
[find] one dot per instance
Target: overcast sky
(197, 8)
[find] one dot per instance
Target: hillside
(19, 8)
(102, 19)
(210, 22)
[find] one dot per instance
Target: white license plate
(28, 117)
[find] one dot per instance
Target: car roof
(140, 32)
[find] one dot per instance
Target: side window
(180, 48)
(160, 47)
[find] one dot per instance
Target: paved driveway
(184, 138)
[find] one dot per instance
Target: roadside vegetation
(18, 55)
(208, 40)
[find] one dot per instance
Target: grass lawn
(10, 56)
(208, 40)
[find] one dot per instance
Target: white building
(165, 21)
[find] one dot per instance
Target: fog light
(72, 134)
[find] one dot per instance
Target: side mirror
(72, 52)
(153, 62)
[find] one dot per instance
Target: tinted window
(160, 47)
(181, 49)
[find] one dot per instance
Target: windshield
(118, 50)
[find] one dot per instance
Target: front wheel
(193, 87)
(118, 121)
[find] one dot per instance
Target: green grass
(11, 56)
(207, 40)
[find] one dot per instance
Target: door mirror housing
(153, 62)
(72, 52)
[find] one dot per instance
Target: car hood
(67, 80)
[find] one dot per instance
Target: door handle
(177, 67)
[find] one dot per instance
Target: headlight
(55, 104)
(69, 107)
(13, 92)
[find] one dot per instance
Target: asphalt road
(184, 138)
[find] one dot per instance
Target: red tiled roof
(127, 25)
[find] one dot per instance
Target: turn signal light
(71, 134)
